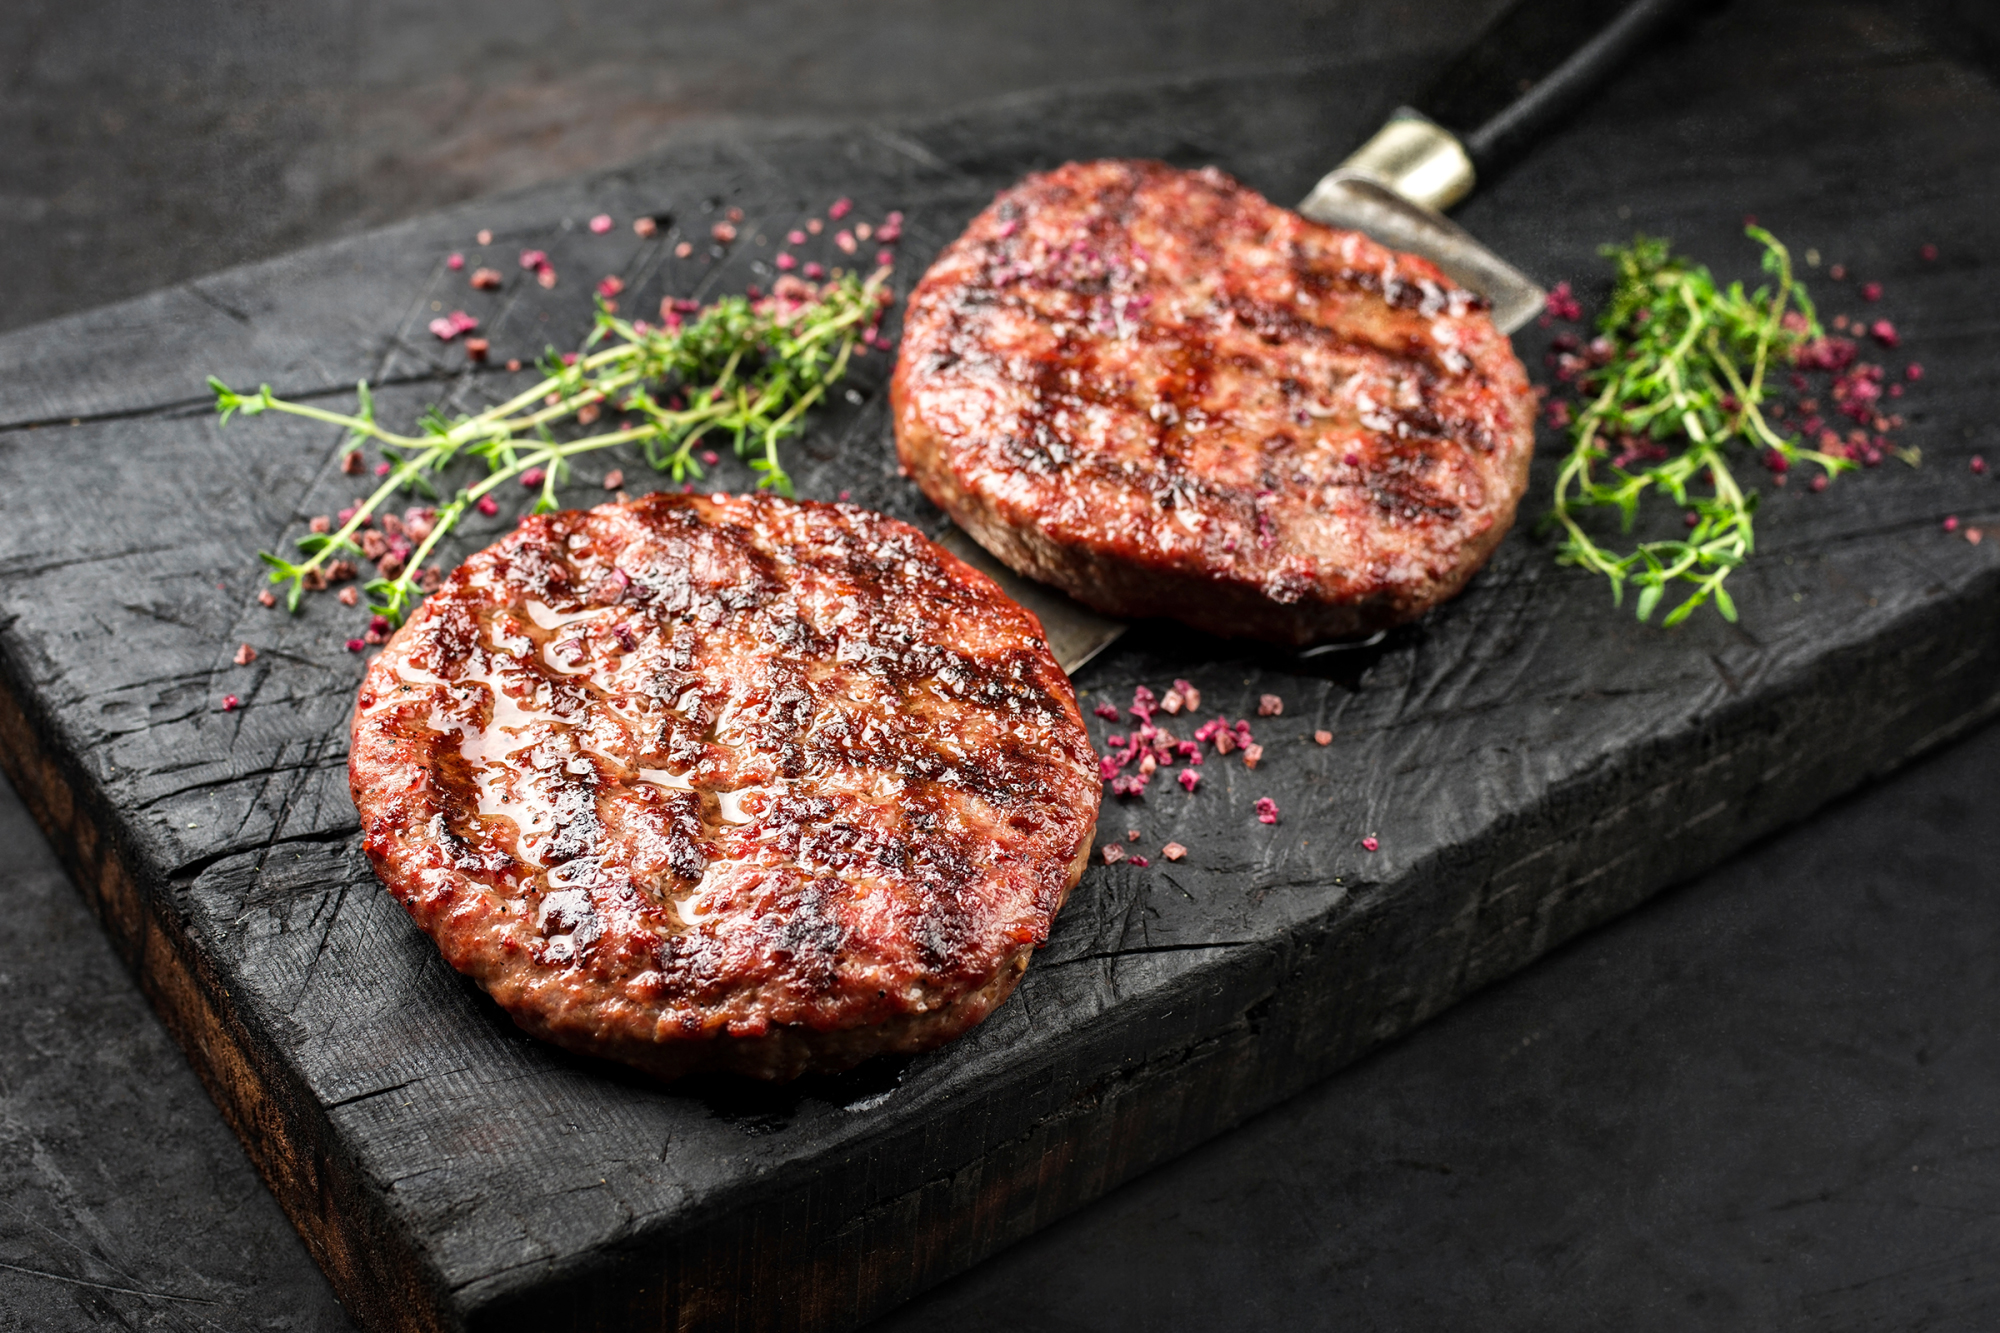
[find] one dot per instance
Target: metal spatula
(1525, 73)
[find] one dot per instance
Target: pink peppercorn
(1267, 810)
(1871, 291)
(601, 223)
(455, 262)
(488, 506)
(230, 703)
(1369, 844)
(380, 624)
(356, 645)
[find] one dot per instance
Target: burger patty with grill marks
(1167, 396)
(710, 783)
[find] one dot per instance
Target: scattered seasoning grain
(723, 232)
(1267, 810)
(454, 262)
(840, 208)
(1838, 273)
(1913, 371)
(488, 506)
(1974, 535)
(1978, 464)
(1951, 523)
(533, 477)
(513, 365)
(487, 279)
(614, 479)
(1369, 844)
(684, 249)
(1252, 755)
(1173, 851)
(1112, 853)
(485, 237)
(349, 596)
(546, 277)
(1141, 862)
(1189, 778)
(1131, 835)
(230, 703)
(320, 523)
(1871, 291)
(1270, 705)
(356, 645)
(477, 348)
(245, 655)
(644, 226)
(1109, 714)
(351, 463)
(1323, 737)
(1884, 332)
(601, 223)
(267, 598)
(1929, 252)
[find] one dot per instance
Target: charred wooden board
(1531, 760)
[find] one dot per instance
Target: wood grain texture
(1532, 761)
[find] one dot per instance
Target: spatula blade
(1075, 632)
(1361, 203)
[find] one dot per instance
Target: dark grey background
(1766, 1100)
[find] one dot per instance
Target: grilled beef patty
(711, 783)
(1167, 396)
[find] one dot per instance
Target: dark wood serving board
(1532, 761)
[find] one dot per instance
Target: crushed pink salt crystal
(1871, 291)
(845, 494)
(454, 262)
(533, 477)
(1269, 705)
(885, 258)
(1267, 810)
(643, 226)
(488, 506)
(1370, 844)
(840, 209)
(1562, 304)
(381, 469)
(723, 232)
(1323, 737)
(1974, 535)
(1141, 862)
(813, 271)
(1884, 332)
(1951, 523)
(601, 223)
(1173, 851)
(356, 645)
(1109, 714)
(1252, 755)
(610, 285)
(785, 261)
(1112, 853)
(845, 240)
(534, 260)
(1189, 778)
(230, 703)
(1913, 371)
(245, 655)
(1978, 463)
(267, 598)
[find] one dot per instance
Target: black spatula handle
(1534, 64)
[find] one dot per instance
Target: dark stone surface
(1421, 1225)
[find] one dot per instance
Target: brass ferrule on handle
(1418, 159)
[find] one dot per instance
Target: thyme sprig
(737, 368)
(1680, 378)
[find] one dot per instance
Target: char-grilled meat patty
(712, 783)
(1167, 396)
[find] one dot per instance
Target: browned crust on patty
(726, 783)
(1167, 396)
